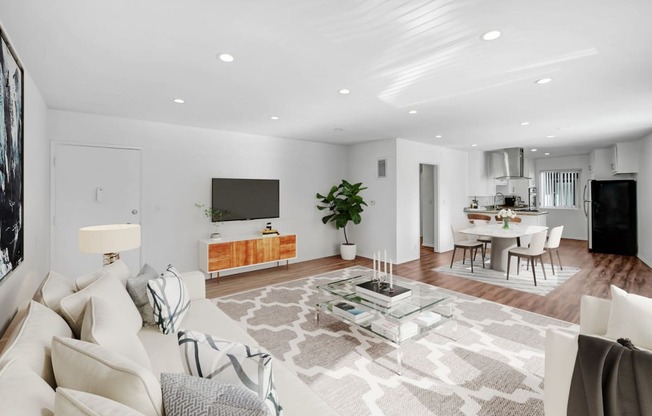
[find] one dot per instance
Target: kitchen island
(528, 217)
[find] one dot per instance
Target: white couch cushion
(23, 392)
(630, 317)
(117, 269)
(232, 362)
(69, 402)
(169, 298)
(29, 336)
(185, 395)
(53, 288)
(83, 366)
(103, 327)
(109, 288)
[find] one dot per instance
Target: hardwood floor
(598, 272)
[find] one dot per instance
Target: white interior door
(92, 185)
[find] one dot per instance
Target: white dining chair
(554, 239)
(465, 242)
(534, 251)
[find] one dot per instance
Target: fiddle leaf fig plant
(344, 204)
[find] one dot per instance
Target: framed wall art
(11, 160)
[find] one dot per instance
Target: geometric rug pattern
(487, 360)
(522, 281)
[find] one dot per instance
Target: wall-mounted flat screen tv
(246, 199)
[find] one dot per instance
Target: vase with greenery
(344, 205)
(216, 216)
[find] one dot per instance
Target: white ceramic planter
(347, 251)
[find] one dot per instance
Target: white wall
(178, 163)
(452, 170)
(644, 191)
(573, 220)
(23, 282)
(377, 230)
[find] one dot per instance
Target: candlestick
(374, 263)
(385, 262)
(391, 275)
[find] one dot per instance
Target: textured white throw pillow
(87, 367)
(109, 288)
(169, 298)
(78, 403)
(206, 356)
(23, 392)
(29, 336)
(117, 269)
(103, 327)
(630, 317)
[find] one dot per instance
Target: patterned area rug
(487, 360)
(522, 281)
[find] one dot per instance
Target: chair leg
(483, 253)
(518, 265)
(509, 261)
(552, 264)
(472, 256)
(542, 269)
(464, 256)
(453, 257)
(558, 258)
(534, 273)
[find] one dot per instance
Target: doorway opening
(428, 207)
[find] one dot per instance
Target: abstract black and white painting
(11, 160)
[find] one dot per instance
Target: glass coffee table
(410, 318)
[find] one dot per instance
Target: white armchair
(561, 351)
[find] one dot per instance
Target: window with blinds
(559, 189)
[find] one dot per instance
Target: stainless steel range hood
(508, 163)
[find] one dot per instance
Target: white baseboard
(644, 260)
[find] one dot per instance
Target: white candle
(374, 266)
(385, 262)
(391, 275)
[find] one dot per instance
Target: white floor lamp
(109, 240)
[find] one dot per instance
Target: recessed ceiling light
(491, 35)
(525, 123)
(274, 117)
(439, 136)
(179, 101)
(225, 57)
(550, 136)
(533, 150)
(543, 80)
(474, 145)
(547, 153)
(344, 91)
(412, 112)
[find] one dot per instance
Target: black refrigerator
(611, 212)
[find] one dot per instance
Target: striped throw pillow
(230, 362)
(169, 298)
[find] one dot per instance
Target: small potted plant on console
(216, 216)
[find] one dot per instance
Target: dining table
(503, 239)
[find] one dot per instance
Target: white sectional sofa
(38, 353)
(625, 316)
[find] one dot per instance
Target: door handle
(134, 211)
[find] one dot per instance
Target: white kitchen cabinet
(600, 161)
(624, 157)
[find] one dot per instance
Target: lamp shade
(110, 238)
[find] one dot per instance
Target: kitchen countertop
(495, 212)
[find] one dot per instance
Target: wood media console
(227, 254)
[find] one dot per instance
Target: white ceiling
(131, 58)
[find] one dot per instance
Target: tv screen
(246, 199)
